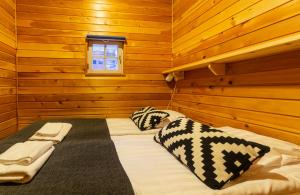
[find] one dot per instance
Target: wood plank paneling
(51, 57)
(8, 97)
(260, 95)
(265, 99)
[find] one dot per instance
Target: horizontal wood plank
(8, 75)
(259, 94)
(52, 80)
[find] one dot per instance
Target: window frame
(89, 55)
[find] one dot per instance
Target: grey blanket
(86, 162)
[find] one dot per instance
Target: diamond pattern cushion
(148, 118)
(212, 155)
(136, 116)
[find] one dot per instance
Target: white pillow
(251, 136)
(173, 114)
(285, 152)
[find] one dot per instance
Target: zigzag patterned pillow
(212, 155)
(148, 118)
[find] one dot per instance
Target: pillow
(212, 155)
(173, 114)
(148, 118)
(136, 116)
(251, 136)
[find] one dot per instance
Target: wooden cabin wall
(51, 57)
(260, 95)
(8, 98)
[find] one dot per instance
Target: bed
(85, 162)
(152, 170)
(91, 161)
(125, 126)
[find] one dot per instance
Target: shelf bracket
(217, 68)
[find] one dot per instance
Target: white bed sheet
(125, 126)
(152, 170)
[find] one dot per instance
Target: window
(105, 56)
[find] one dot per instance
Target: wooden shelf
(217, 64)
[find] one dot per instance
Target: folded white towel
(23, 174)
(50, 129)
(25, 153)
(65, 130)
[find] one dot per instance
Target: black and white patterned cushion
(136, 116)
(148, 118)
(213, 156)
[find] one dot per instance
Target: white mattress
(125, 126)
(152, 170)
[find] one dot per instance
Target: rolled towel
(65, 130)
(50, 129)
(23, 174)
(25, 153)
